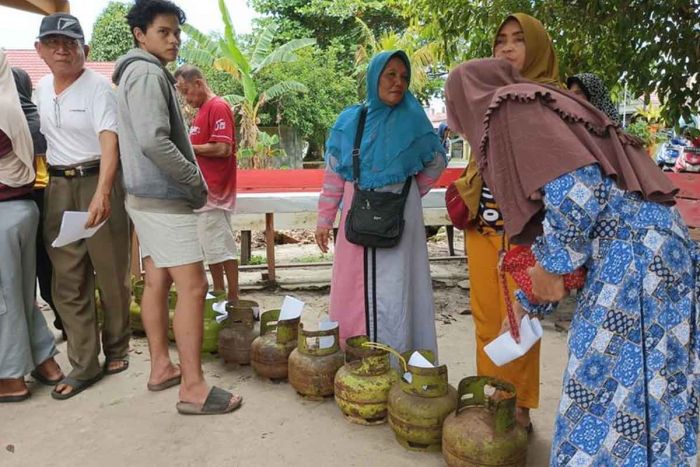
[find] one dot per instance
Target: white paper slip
(418, 360)
(220, 310)
(326, 342)
(504, 349)
(73, 228)
(291, 308)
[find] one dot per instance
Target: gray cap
(61, 24)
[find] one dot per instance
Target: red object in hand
(456, 209)
(519, 259)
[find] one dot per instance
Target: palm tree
(225, 54)
(422, 55)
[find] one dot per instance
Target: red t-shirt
(214, 124)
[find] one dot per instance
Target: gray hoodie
(160, 172)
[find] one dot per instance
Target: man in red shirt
(213, 139)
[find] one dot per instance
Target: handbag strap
(356, 153)
(356, 145)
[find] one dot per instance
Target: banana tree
(225, 53)
(422, 55)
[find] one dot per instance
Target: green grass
(255, 259)
(317, 258)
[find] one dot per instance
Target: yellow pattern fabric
(42, 173)
(489, 310)
(469, 186)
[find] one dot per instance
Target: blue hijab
(397, 141)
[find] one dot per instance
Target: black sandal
(16, 397)
(77, 385)
(123, 367)
(218, 402)
(40, 378)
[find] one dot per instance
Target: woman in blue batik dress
(583, 192)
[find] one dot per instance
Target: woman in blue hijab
(385, 293)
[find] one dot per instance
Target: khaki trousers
(105, 257)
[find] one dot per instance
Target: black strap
(366, 291)
(374, 293)
(356, 153)
(356, 145)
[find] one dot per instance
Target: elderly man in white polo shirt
(78, 116)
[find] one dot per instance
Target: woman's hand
(546, 287)
(519, 313)
(322, 235)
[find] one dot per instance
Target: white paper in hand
(291, 308)
(73, 228)
(504, 349)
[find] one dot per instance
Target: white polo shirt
(73, 120)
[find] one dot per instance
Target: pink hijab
(525, 135)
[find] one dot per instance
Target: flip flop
(15, 398)
(77, 385)
(218, 402)
(168, 383)
(36, 374)
(116, 370)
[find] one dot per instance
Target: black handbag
(375, 218)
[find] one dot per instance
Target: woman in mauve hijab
(583, 193)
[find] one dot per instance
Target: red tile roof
(30, 62)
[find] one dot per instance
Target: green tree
(331, 89)
(326, 20)
(111, 36)
(423, 55)
(653, 46)
(225, 53)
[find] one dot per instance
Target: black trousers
(44, 270)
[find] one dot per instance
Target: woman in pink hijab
(584, 193)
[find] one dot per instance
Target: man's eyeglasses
(54, 42)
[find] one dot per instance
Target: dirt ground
(118, 422)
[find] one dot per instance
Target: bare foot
(160, 375)
(194, 393)
(50, 370)
(13, 387)
(63, 389)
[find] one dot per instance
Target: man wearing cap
(78, 116)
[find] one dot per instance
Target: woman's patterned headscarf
(596, 92)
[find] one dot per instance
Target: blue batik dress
(629, 389)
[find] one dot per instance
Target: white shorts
(216, 236)
(169, 239)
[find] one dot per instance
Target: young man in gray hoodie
(164, 185)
